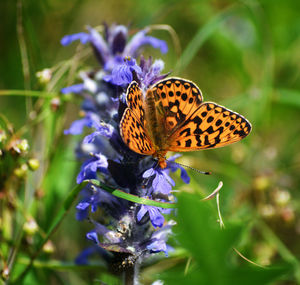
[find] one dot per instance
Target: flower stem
(131, 274)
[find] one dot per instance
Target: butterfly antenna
(195, 169)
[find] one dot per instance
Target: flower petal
(122, 74)
(100, 46)
(140, 39)
(118, 39)
(157, 246)
(157, 219)
(92, 235)
(148, 173)
(184, 176)
(83, 37)
(76, 127)
(82, 214)
(90, 138)
(161, 185)
(142, 212)
(76, 88)
(90, 167)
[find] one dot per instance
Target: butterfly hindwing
(210, 126)
(175, 100)
(134, 135)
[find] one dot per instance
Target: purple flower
(158, 245)
(122, 74)
(77, 126)
(174, 166)
(82, 210)
(91, 120)
(90, 167)
(92, 198)
(161, 181)
(110, 50)
(151, 75)
(68, 39)
(100, 46)
(92, 235)
(77, 88)
(140, 40)
(117, 39)
(151, 72)
(103, 129)
(159, 237)
(157, 219)
(123, 226)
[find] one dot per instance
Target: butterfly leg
(161, 157)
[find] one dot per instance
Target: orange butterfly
(171, 116)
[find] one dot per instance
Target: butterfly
(171, 116)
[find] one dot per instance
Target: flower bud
(282, 197)
(44, 76)
(48, 247)
(30, 227)
(33, 164)
(21, 146)
(267, 211)
(21, 171)
(55, 104)
(261, 183)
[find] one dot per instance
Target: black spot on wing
(188, 143)
(218, 122)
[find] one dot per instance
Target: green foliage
(211, 250)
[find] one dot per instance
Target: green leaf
(211, 248)
(132, 198)
(289, 97)
(200, 233)
(201, 36)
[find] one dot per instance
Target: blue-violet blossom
(127, 228)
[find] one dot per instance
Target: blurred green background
(242, 54)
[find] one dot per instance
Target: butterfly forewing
(134, 99)
(210, 126)
(134, 135)
(132, 125)
(175, 100)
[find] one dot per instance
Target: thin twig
(214, 193)
(248, 260)
(22, 45)
(62, 214)
(173, 34)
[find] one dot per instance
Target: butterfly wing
(134, 100)
(210, 126)
(175, 100)
(132, 125)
